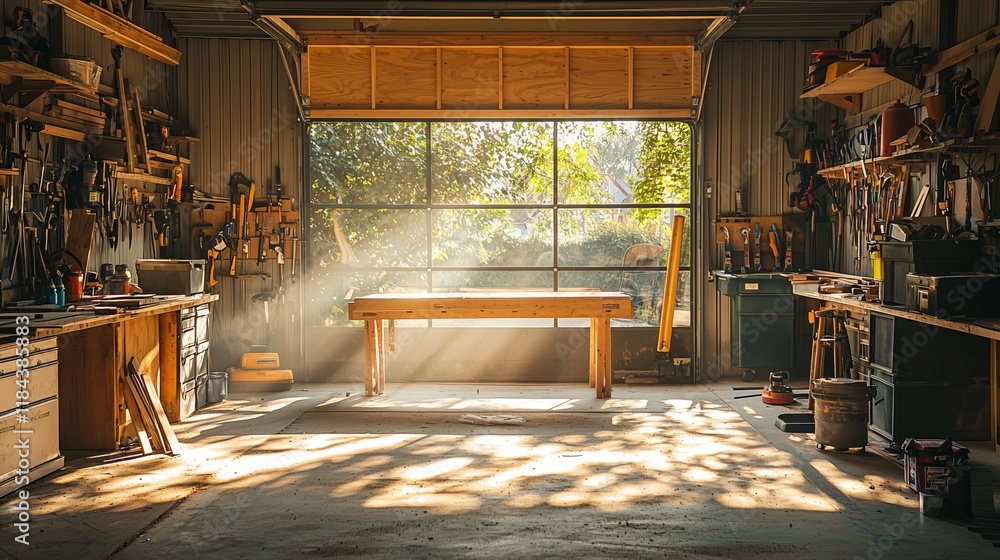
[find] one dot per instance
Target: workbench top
(987, 328)
(53, 323)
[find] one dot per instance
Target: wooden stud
(500, 77)
(566, 77)
(142, 414)
(374, 88)
(631, 77)
(440, 83)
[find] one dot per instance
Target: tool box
(936, 256)
(171, 276)
(259, 371)
(928, 463)
(958, 295)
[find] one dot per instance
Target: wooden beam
(120, 30)
(511, 39)
(988, 109)
(621, 113)
(966, 49)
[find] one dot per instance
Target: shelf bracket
(851, 103)
(30, 90)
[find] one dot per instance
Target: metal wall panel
(890, 29)
(752, 86)
(238, 103)
(974, 17)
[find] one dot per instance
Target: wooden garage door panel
(662, 77)
(470, 78)
(405, 78)
(341, 78)
(598, 78)
(534, 78)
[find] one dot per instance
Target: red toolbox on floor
(927, 463)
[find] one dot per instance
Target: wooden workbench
(599, 307)
(93, 353)
(835, 300)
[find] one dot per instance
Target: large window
(496, 206)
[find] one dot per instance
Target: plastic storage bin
(171, 276)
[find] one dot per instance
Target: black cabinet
(762, 327)
(931, 382)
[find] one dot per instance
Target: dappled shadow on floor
(327, 474)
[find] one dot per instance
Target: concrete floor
(322, 472)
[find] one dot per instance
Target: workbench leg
(606, 328)
(593, 352)
(995, 392)
(370, 363)
(380, 357)
(602, 359)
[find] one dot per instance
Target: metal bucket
(841, 412)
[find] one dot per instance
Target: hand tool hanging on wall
(727, 264)
(788, 249)
(746, 250)
(775, 243)
(757, 248)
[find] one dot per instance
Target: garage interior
(575, 279)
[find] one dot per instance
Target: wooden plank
(145, 413)
(169, 366)
(88, 382)
(858, 80)
(534, 78)
(79, 108)
(171, 440)
(599, 78)
(340, 79)
(131, 403)
(337, 39)
(379, 358)
(142, 341)
(986, 120)
(981, 43)
(120, 30)
(496, 305)
(80, 235)
(662, 78)
(405, 78)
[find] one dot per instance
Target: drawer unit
(192, 350)
(43, 442)
(903, 408)
(43, 383)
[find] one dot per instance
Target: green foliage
(411, 184)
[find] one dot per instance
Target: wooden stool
(836, 339)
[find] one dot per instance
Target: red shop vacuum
(778, 392)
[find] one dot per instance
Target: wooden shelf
(9, 172)
(144, 177)
(120, 30)
(32, 82)
(845, 90)
(924, 154)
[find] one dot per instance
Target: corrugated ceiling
(763, 19)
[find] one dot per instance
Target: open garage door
(393, 76)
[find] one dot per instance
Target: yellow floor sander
(260, 370)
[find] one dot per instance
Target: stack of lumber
(82, 118)
(151, 424)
